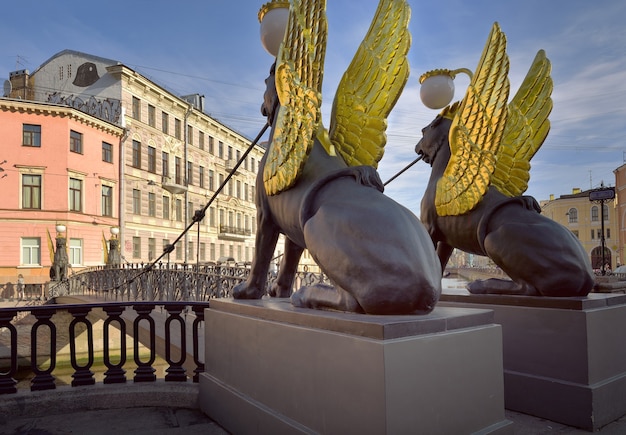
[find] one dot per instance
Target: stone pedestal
(564, 358)
(273, 368)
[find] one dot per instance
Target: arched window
(606, 212)
(594, 214)
(573, 215)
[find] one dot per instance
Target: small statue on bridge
(479, 149)
(320, 187)
(58, 270)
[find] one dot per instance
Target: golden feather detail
(476, 132)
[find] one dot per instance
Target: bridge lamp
(437, 87)
(60, 230)
(273, 17)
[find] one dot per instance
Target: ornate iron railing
(166, 282)
(48, 335)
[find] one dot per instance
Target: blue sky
(213, 48)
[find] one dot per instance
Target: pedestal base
(564, 358)
(273, 368)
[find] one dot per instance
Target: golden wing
(299, 71)
(476, 131)
(526, 128)
(105, 248)
(371, 86)
(50, 247)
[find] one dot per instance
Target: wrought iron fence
(167, 282)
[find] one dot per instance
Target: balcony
(233, 233)
(172, 186)
(230, 164)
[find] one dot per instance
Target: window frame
(76, 142)
(33, 134)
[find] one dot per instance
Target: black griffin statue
(320, 188)
(479, 150)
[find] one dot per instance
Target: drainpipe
(122, 189)
(186, 136)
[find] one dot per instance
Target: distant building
(584, 218)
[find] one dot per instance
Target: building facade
(583, 217)
(168, 159)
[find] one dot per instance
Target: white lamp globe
(273, 17)
(115, 231)
(437, 91)
(60, 228)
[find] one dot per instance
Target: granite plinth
(273, 368)
(564, 358)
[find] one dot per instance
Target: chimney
(576, 190)
(20, 84)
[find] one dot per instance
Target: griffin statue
(320, 187)
(479, 149)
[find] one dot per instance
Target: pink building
(58, 166)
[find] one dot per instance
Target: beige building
(583, 217)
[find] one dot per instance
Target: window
(31, 135)
(107, 201)
(605, 209)
(179, 210)
(230, 152)
(190, 250)
(136, 109)
(178, 170)
(76, 194)
(202, 251)
(177, 128)
(31, 251)
(211, 145)
(246, 192)
(165, 122)
(136, 154)
(189, 173)
(238, 189)
(151, 204)
(252, 164)
(152, 159)
(136, 247)
(220, 149)
(211, 179)
(76, 142)
(190, 135)
(166, 207)
(573, 216)
(212, 251)
(201, 140)
(31, 191)
(166, 242)
(107, 152)
(179, 250)
(136, 201)
(189, 211)
(151, 115)
(151, 249)
(608, 233)
(76, 252)
(211, 217)
(593, 234)
(201, 176)
(165, 164)
(594, 214)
